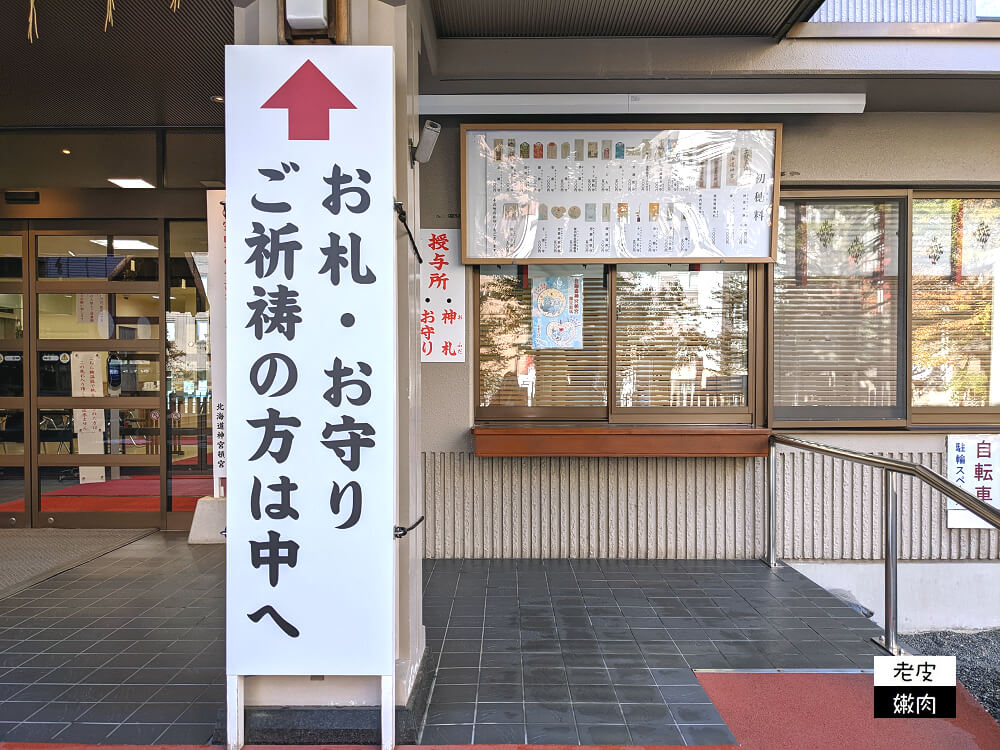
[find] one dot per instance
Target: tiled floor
(125, 649)
(602, 652)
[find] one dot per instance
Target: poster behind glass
(619, 194)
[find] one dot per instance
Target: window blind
(837, 351)
(514, 374)
(681, 337)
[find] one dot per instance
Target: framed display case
(634, 193)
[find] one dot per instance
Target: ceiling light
(67, 151)
(217, 99)
(129, 182)
(126, 244)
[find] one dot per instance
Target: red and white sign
(311, 357)
(442, 296)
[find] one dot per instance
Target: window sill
(554, 440)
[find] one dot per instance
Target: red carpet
(125, 494)
(796, 711)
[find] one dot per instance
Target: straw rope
(32, 22)
(109, 16)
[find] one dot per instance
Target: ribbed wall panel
(894, 11)
(680, 508)
(600, 18)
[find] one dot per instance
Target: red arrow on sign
(308, 96)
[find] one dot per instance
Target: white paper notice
(442, 297)
(217, 332)
(311, 349)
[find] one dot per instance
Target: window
(521, 373)
(837, 337)
(681, 341)
(956, 249)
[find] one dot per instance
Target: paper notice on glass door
(557, 312)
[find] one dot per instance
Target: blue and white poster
(557, 312)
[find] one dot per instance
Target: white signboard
(217, 330)
(973, 464)
(311, 298)
(619, 194)
(442, 297)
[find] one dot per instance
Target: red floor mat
(796, 711)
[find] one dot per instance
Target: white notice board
(619, 194)
(311, 349)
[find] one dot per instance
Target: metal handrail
(889, 467)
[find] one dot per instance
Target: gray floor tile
(546, 693)
(655, 734)
(673, 677)
(447, 735)
(638, 694)
(499, 734)
(593, 693)
(603, 734)
(499, 713)
(20, 710)
(501, 693)
(187, 734)
(451, 713)
(695, 734)
(35, 732)
(548, 713)
(552, 734)
(84, 733)
(695, 713)
(136, 734)
(598, 713)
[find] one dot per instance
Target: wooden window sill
(618, 440)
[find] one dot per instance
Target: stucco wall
(665, 507)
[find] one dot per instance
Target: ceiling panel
(153, 67)
(628, 18)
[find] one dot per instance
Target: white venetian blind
(511, 372)
(681, 336)
(837, 311)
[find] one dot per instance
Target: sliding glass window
(681, 343)
(838, 312)
(542, 342)
(956, 351)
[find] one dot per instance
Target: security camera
(425, 146)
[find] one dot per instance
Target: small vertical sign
(311, 309)
(442, 297)
(217, 330)
(972, 463)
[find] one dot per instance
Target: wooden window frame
(610, 416)
(903, 197)
(941, 417)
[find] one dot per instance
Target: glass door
(96, 422)
(14, 507)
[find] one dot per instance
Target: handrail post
(772, 521)
(889, 641)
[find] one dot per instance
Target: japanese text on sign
(972, 465)
(311, 362)
(442, 297)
